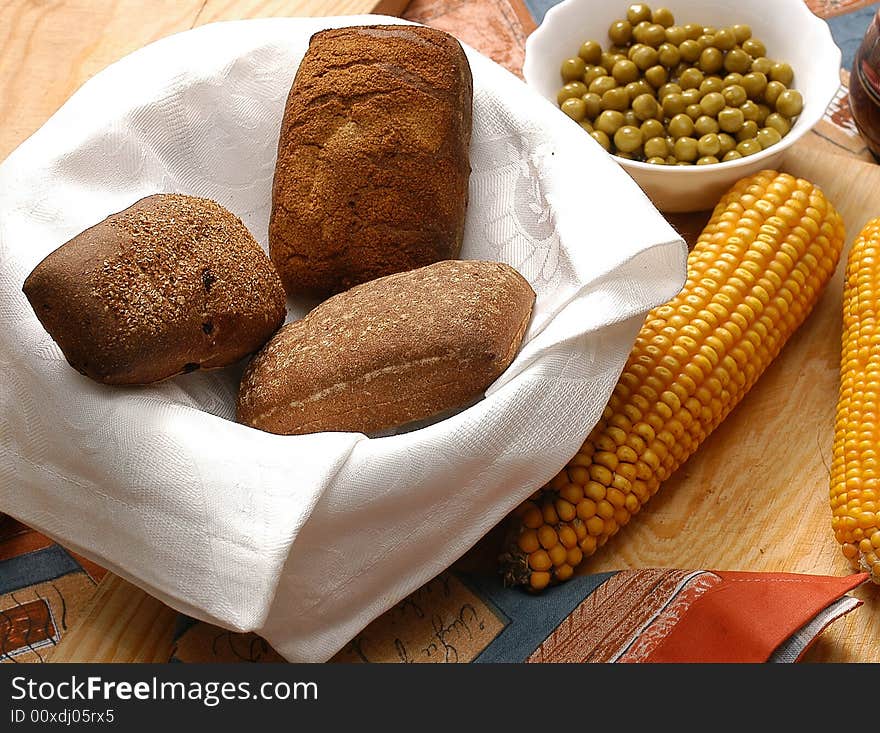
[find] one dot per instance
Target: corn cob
(855, 471)
(755, 273)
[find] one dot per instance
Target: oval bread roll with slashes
(172, 284)
(372, 172)
(397, 349)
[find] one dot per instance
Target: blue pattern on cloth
(847, 29)
(35, 567)
(529, 618)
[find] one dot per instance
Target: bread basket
(303, 539)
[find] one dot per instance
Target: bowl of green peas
(689, 96)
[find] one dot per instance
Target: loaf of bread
(372, 172)
(397, 349)
(172, 284)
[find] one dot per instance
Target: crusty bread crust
(172, 284)
(373, 168)
(397, 349)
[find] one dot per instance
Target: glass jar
(864, 87)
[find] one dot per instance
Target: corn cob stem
(755, 273)
(855, 471)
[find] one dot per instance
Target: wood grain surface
(754, 497)
(49, 48)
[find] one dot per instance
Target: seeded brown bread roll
(169, 285)
(385, 353)
(372, 172)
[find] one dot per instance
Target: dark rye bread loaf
(372, 172)
(172, 284)
(397, 349)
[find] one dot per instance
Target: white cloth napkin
(303, 539)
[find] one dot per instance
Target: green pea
(638, 12)
(588, 126)
(645, 57)
(681, 126)
(725, 39)
(656, 147)
(668, 88)
(706, 40)
(593, 104)
(685, 149)
(734, 95)
(601, 85)
(663, 16)
(728, 143)
(609, 122)
(711, 60)
(640, 29)
(572, 89)
(693, 31)
(656, 76)
(762, 65)
(628, 139)
(754, 48)
(768, 136)
(712, 103)
(591, 52)
(629, 118)
(737, 60)
(779, 123)
(732, 79)
(730, 119)
(705, 125)
(763, 111)
(676, 35)
(609, 59)
(572, 69)
(668, 55)
(754, 83)
(624, 72)
(772, 92)
(575, 108)
(750, 110)
(711, 84)
(709, 144)
(790, 103)
(690, 51)
(651, 129)
(626, 156)
(645, 106)
(741, 32)
(601, 138)
(748, 147)
(673, 104)
(592, 73)
(691, 96)
(616, 98)
(620, 32)
(782, 72)
(655, 35)
(747, 131)
(656, 161)
(694, 111)
(707, 160)
(637, 88)
(731, 155)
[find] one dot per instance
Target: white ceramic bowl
(788, 29)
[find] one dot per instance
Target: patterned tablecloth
(648, 614)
